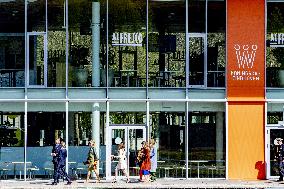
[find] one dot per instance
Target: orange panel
(245, 48)
(246, 140)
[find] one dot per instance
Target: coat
(122, 164)
(146, 164)
(62, 156)
(56, 148)
(153, 157)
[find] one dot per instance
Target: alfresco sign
(277, 40)
(127, 39)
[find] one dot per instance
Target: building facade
(203, 78)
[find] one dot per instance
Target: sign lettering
(127, 39)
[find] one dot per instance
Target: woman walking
(122, 162)
(153, 157)
(146, 164)
(92, 161)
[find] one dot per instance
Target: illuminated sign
(245, 58)
(127, 39)
(277, 40)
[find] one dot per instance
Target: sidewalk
(160, 183)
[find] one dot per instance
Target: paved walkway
(160, 183)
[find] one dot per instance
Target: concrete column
(219, 136)
(96, 127)
(95, 44)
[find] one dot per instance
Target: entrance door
(197, 60)
(272, 167)
(132, 136)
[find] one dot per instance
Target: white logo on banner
(245, 55)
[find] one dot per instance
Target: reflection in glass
(12, 43)
(127, 50)
(206, 134)
(275, 151)
(168, 130)
(166, 44)
(36, 59)
(274, 49)
(36, 15)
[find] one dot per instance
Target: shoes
(279, 180)
(114, 181)
(98, 180)
(127, 181)
(69, 183)
(54, 183)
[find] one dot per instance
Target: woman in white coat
(153, 156)
(122, 162)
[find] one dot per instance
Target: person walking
(62, 163)
(280, 159)
(153, 158)
(122, 162)
(55, 160)
(146, 163)
(140, 159)
(92, 161)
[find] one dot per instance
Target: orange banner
(246, 48)
(246, 158)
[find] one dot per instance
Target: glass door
(36, 43)
(37, 59)
(197, 60)
(132, 137)
(271, 152)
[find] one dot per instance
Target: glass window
(12, 139)
(275, 46)
(166, 44)
(12, 43)
(216, 43)
(196, 16)
(206, 144)
(127, 37)
(167, 128)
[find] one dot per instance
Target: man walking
(55, 160)
(62, 164)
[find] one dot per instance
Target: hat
(143, 142)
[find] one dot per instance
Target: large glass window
(216, 43)
(275, 45)
(206, 152)
(127, 39)
(46, 123)
(56, 55)
(167, 128)
(12, 140)
(12, 43)
(166, 44)
(83, 122)
(207, 28)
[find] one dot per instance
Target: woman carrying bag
(92, 161)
